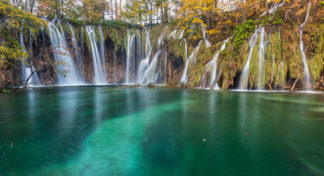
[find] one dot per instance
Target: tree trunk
(294, 85)
(29, 77)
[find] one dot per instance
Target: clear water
(160, 132)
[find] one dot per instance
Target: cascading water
(186, 49)
(181, 35)
(26, 70)
(102, 51)
(61, 54)
(76, 48)
(192, 58)
(273, 9)
(245, 74)
(262, 47)
(203, 29)
(99, 76)
(148, 47)
(151, 74)
(145, 62)
(173, 34)
(212, 65)
(160, 40)
(301, 45)
(130, 47)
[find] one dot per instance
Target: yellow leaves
(212, 31)
(14, 17)
(197, 20)
(7, 54)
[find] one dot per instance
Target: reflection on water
(120, 131)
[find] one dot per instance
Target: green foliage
(241, 32)
(266, 21)
(109, 23)
(116, 23)
(321, 3)
(277, 20)
(12, 20)
(315, 37)
(6, 91)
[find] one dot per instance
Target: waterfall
(245, 74)
(63, 56)
(76, 49)
(148, 47)
(82, 37)
(145, 62)
(102, 51)
(160, 40)
(307, 74)
(151, 74)
(186, 49)
(99, 76)
(212, 65)
(27, 70)
(177, 35)
(261, 54)
(173, 34)
(130, 53)
(203, 29)
(43, 37)
(181, 34)
(192, 58)
(273, 9)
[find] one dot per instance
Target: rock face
(320, 84)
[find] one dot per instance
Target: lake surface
(103, 131)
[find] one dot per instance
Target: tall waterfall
(192, 58)
(148, 47)
(212, 65)
(186, 49)
(262, 47)
(301, 45)
(99, 76)
(102, 51)
(145, 62)
(76, 49)
(151, 74)
(245, 74)
(43, 37)
(62, 54)
(130, 53)
(203, 29)
(27, 70)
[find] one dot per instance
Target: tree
(12, 19)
